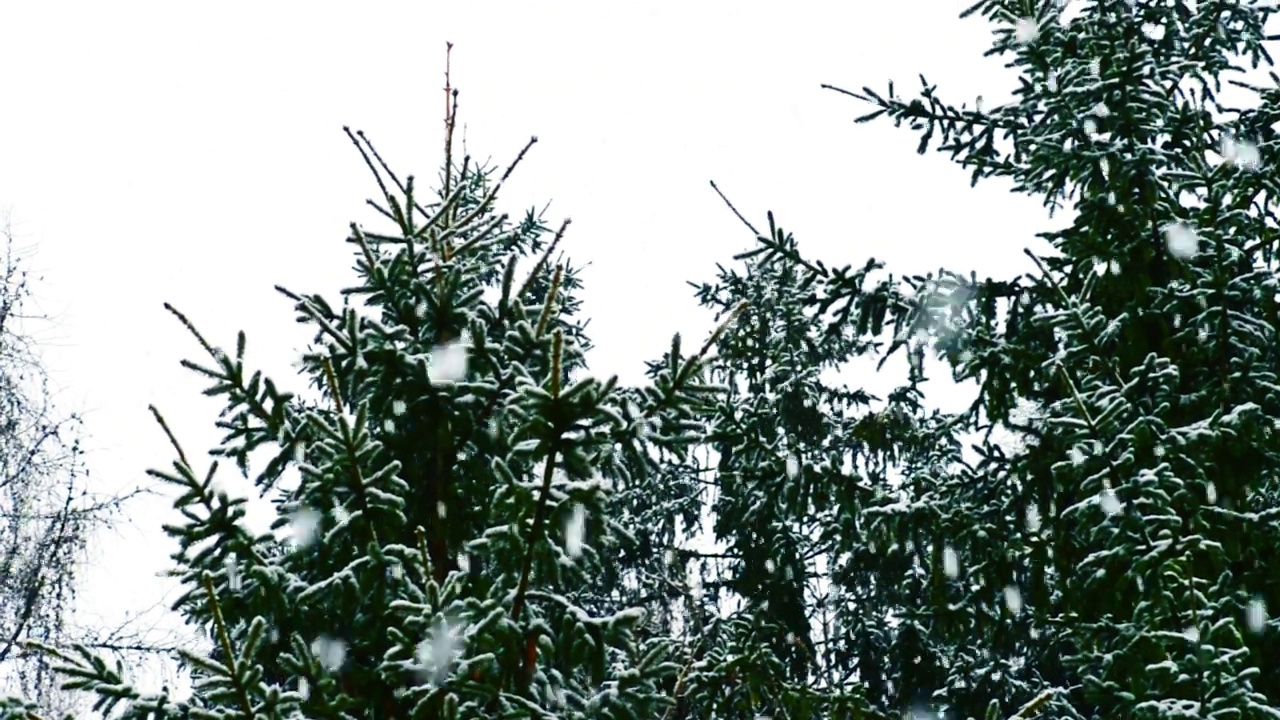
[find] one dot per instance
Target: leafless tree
(47, 509)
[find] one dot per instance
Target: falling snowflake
(1240, 153)
(1211, 493)
(770, 566)
(464, 563)
(1090, 127)
(436, 654)
(304, 688)
(1052, 81)
(233, 573)
(1101, 110)
(397, 407)
(442, 510)
(304, 524)
(695, 582)
(1110, 503)
(793, 467)
(573, 531)
(1182, 241)
(1077, 455)
(1256, 615)
(1026, 31)
(1033, 518)
(389, 425)
(330, 652)
(448, 363)
(1153, 31)
(1095, 67)
(1013, 599)
(1192, 634)
(979, 106)
(950, 562)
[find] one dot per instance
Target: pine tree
(796, 456)
(1111, 565)
(453, 527)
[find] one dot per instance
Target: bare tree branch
(46, 509)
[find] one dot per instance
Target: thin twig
(187, 323)
(172, 440)
(376, 175)
(332, 380)
(734, 209)
(488, 199)
(385, 167)
(842, 91)
(715, 336)
(449, 93)
(537, 268)
(540, 512)
(224, 640)
(545, 316)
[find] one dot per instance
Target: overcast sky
(154, 152)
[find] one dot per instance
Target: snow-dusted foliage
(793, 455)
(483, 530)
(1117, 562)
(837, 504)
(452, 547)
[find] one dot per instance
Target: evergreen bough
(1117, 560)
(452, 518)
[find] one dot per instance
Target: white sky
(154, 152)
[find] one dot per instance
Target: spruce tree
(454, 534)
(796, 455)
(1114, 563)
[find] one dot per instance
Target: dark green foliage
(435, 578)
(1106, 561)
(1091, 538)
